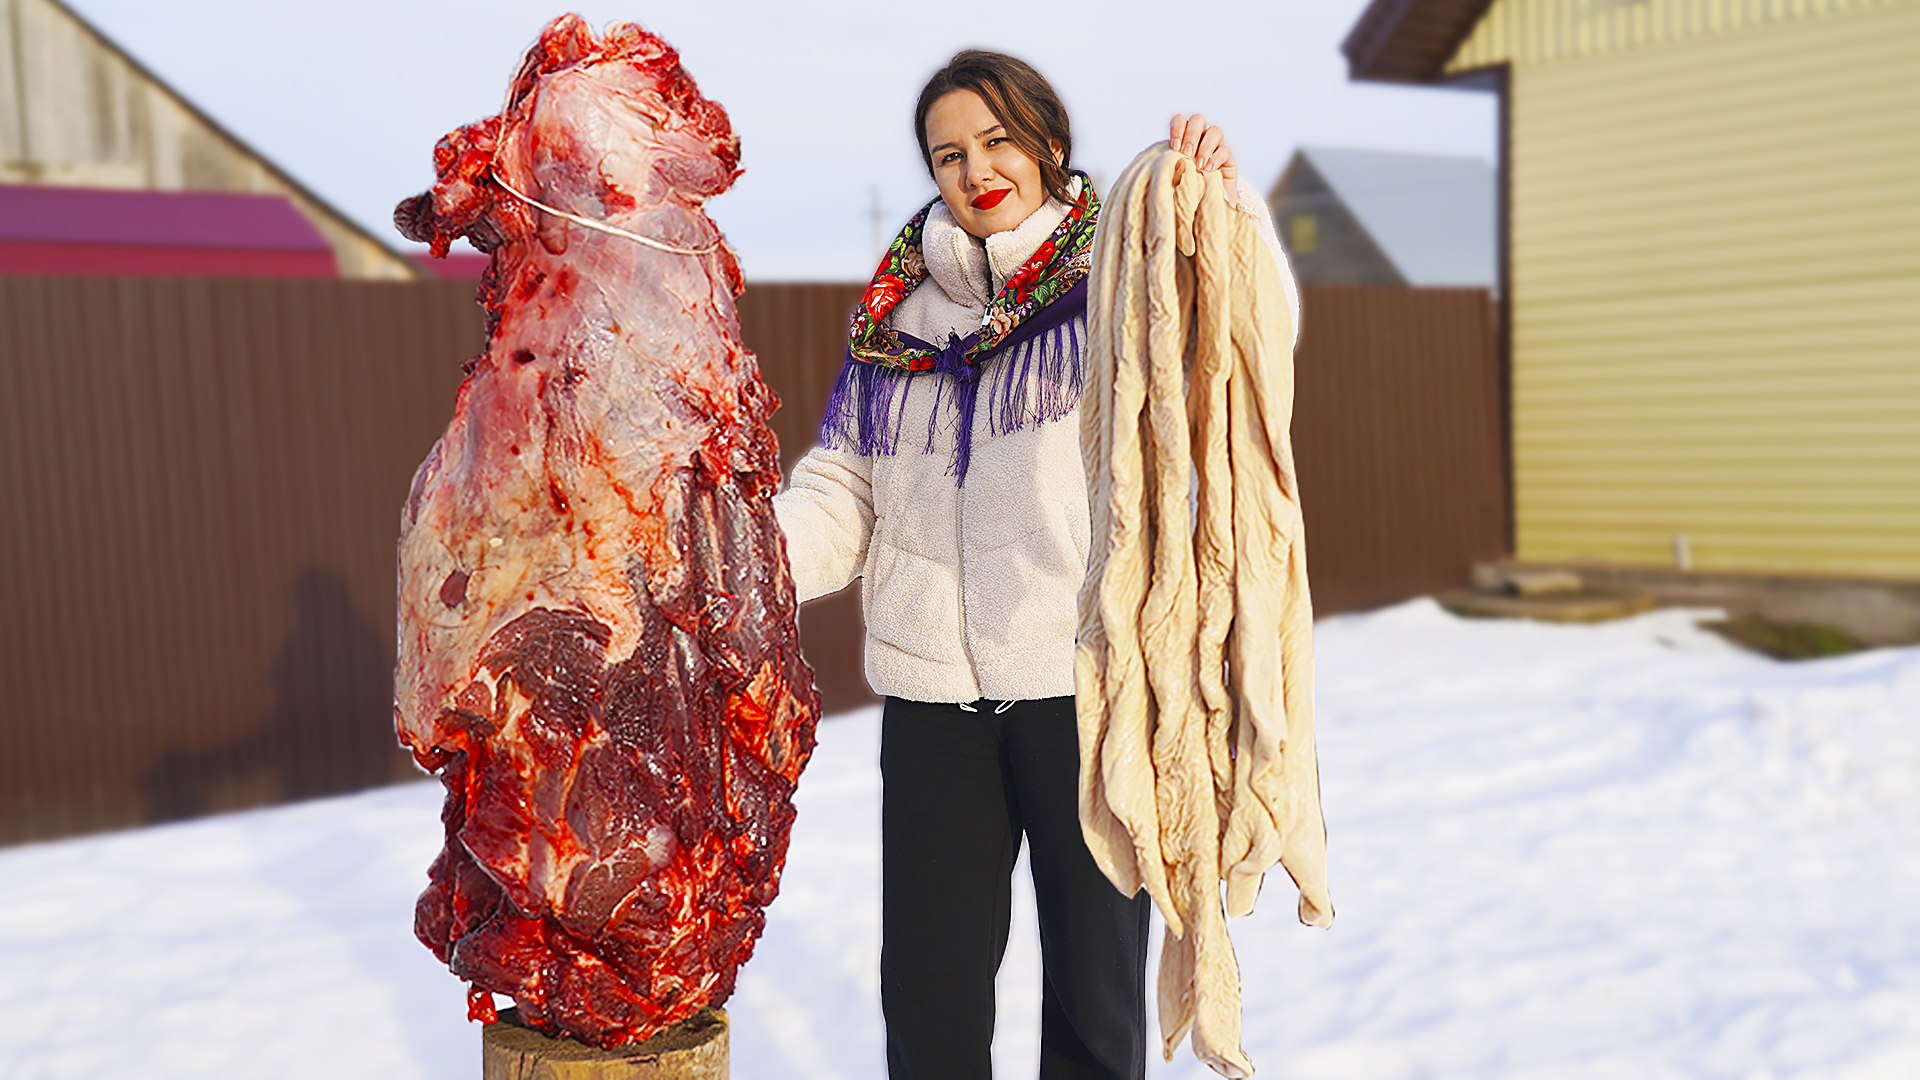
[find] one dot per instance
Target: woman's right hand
(1205, 144)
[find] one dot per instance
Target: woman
(949, 480)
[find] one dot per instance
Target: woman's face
(988, 183)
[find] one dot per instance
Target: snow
(1628, 850)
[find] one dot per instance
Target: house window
(1303, 232)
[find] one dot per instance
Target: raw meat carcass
(597, 644)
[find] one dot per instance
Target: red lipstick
(991, 199)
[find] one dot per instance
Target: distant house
(1712, 258)
(77, 111)
(1371, 217)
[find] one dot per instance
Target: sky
(349, 96)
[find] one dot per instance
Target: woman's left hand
(1205, 144)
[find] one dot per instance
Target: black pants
(959, 790)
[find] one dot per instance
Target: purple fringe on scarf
(1034, 377)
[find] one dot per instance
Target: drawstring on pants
(1002, 707)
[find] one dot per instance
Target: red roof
(458, 264)
(53, 230)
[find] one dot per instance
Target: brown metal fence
(202, 481)
(1397, 434)
(799, 332)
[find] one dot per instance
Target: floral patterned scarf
(1029, 341)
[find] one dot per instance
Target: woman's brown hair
(1019, 97)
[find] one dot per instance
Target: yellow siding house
(1712, 249)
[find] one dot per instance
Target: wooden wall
(202, 482)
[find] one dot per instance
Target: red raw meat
(597, 643)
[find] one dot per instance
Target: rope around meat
(1194, 670)
(612, 230)
(500, 177)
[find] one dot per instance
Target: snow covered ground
(1572, 852)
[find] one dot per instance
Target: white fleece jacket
(970, 590)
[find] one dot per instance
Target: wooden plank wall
(202, 481)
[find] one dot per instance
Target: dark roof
(1431, 215)
(1409, 41)
(210, 219)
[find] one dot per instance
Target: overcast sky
(350, 95)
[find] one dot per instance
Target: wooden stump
(694, 1049)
